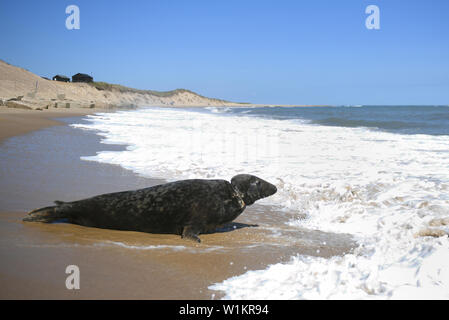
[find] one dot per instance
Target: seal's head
(252, 188)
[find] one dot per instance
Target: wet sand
(14, 122)
(42, 166)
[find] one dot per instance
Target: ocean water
(378, 173)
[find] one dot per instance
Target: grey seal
(185, 207)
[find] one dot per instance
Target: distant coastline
(22, 89)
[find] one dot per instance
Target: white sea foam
(383, 188)
(218, 109)
(156, 247)
(140, 247)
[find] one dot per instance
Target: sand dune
(37, 92)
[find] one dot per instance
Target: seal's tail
(47, 214)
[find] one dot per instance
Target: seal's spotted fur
(186, 207)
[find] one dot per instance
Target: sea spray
(384, 188)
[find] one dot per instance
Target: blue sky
(279, 52)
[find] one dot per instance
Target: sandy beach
(41, 166)
(16, 121)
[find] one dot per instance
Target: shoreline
(118, 264)
(14, 122)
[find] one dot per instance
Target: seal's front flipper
(191, 233)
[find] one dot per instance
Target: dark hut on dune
(60, 77)
(82, 77)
